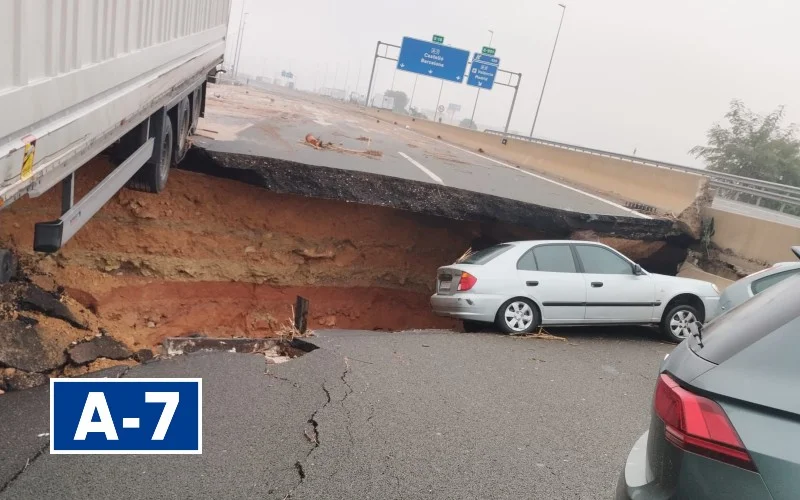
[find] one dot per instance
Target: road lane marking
(616, 205)
(421, 167)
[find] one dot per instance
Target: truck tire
(152, 177)
(183, 121)
(7, 266)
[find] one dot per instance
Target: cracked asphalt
(407, 415)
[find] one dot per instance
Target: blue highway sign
(482, 71)
(126, 416)
(432, 59)
(486, 59)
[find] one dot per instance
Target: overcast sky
(627, 74)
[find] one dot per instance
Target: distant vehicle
(726, 418)
(522, 285)
(752, 285)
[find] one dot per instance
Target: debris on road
(317, 143)
(541, 334)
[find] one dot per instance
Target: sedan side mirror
(637, 270)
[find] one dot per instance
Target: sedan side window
(527, 262)
(599, 260)
(759, 286)
(554, 259)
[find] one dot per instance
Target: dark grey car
(726, 410)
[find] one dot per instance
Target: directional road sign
(432, 59)
(483, 71)
(489, 51)
(438, 39)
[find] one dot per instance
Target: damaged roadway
(421, 414)
(261, 138)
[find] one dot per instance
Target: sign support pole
(414, 89)
(511, 111)
(372, 73)
(474, 107)
(438, 100)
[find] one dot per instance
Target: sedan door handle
(532, 283)
(597, 284)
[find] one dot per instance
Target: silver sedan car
(522, 285)
(746, 288)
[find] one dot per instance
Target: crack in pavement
(28, 463)
(314, 436)
(278, 377)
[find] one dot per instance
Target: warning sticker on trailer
(28, 157)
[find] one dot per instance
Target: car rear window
(744, 325)
(483, 256)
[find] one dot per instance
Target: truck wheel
(152, 177)
(7, 266)
(184, 125)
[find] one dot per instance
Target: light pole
(242, 24)
(478, 94)
(536, 116)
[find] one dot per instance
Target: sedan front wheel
(676, 324)
(517, 316)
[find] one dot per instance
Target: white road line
(617, 205)
(421, 167)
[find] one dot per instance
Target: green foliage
(417, 114)
(467, 123)
(753, 146)
(400, 100)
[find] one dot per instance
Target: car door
(550, 275)
(613, 292)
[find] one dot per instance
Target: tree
(416, 113)
(400, 100)
(468, 123)
(753, 146)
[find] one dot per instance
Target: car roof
(548, 242)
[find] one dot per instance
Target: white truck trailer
(80, 76)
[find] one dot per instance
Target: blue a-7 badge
(126, 416)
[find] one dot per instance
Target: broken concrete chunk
(143, 355)
(22, 347)
(98, 347)
(23, 380)
(33, 298)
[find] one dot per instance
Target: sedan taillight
(467, 282)
(698, 425)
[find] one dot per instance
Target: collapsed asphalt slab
(284, 176)
(421, 414)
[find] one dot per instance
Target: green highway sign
(438, 39)
(486, 50)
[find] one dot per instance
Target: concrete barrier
(689, 270)
(667, 190)
(754, 238)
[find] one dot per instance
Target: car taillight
(698, 425)
(467, 282)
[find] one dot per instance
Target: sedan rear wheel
(517, 316)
